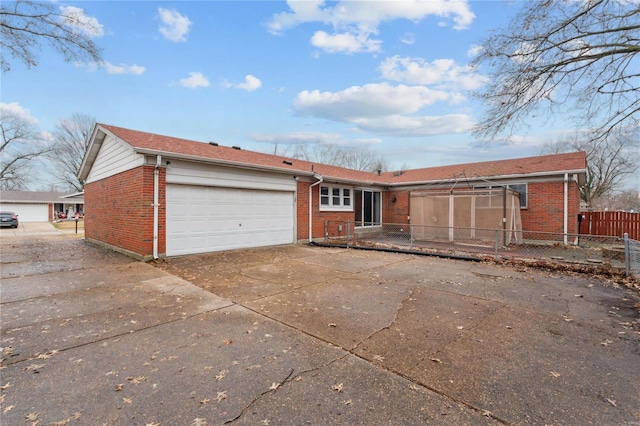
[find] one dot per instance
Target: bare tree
(21, 143)
(609, 162)
(25, 25)
(356, 158)
(579, 57)
(71, 140)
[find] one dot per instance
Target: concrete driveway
(301, 335)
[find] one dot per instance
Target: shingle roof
(168, 144)
(560, 163)
(37, 197)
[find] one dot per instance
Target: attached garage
(203, 219)
(28, 212)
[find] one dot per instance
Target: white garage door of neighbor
(28, 212)
(203, 219)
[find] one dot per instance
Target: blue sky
(390, 75)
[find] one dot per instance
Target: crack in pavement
(115, 336)
(395, 318)
(287, 379)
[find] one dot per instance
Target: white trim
(331, 207)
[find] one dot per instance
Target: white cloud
(397, 125)
(371, 100)
(408, 38)
(385, 108)
(474, 51)
(174, 26)
(194, 81)
(306, 138)
(443, 73)
(250, 84)
(75, 17)
(14, 109)
(112, 69)
(369, 14)
(345, 42)
(354, 21)
(123, 69)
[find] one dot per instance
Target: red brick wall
(395, 211)
(119, 211)
(318, 217)
(545, 211)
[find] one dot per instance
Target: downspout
(320, 179)
(566, 206)
(156, 185)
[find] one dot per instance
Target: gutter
(320, 179)
(156, 185)
(475, 178)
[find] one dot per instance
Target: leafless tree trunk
(25, 25)
(609, 162)
(71, 140)
(575, 57)
(20, 144)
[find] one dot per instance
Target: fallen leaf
(554, 374)
(5, 387)
(612, 402)
(119, 387)
(204, 401)
(136, 380)
(459, 327)
(331, 324)
(378, 358)
(436, 360)
(126, 400)
(339, 387)
(9, 408)
(32, 417)
(221, 395)
(274, 386)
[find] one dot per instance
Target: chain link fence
(491, 244)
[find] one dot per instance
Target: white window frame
(344, 197)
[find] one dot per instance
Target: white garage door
(203, 219)
(28, 212)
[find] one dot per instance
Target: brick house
(150, 195)
(40, 206)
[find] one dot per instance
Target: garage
(28, 212)
(203, 219)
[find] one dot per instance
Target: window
(335, 198)
(520, 188)
(368, 208)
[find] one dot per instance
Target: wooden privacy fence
(614, 224)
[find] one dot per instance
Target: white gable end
(115, 156)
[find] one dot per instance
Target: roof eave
(580, 172)
(230, 163)
(97, 138)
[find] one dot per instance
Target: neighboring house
(150, 195)
(32, 206)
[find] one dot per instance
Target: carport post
(495, 255)
(627, 255)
